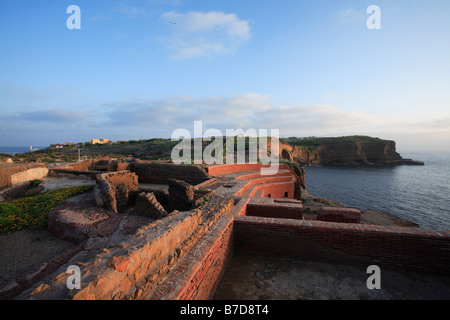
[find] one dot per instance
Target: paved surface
(274, 278)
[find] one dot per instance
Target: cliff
(354, 150)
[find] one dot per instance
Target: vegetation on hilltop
(312, 143)
(161, 149)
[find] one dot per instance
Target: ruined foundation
(176, 243)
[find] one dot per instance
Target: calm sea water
(418, 193)
(13, 150)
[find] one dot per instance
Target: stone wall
(11, 174)
(148, 206)
(391, 247)
(276, 210)
(139, 266)
(276, 190)
(114, 190)
(181, 195)
(29, 175)
(160, 173)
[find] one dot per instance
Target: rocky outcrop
(78, 219)
(364, 152)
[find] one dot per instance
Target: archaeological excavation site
(160, 231)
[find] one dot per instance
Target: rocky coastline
(345, 151)
(312, 203)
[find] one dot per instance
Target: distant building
(57, 146)
(99, 141)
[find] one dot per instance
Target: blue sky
(308, 68)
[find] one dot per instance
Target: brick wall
(232, 168)
(399, 248)
(264, 182)
(69, 173)
(276, 210)
(160, 173)
(143, 265)
(110, 185)
(276, 190)
(118, 166)
(196, 277)
(259, 175)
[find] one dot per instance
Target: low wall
(131, 270)
(141, 266)
(392, 247)
(107, 189)
(263, 182)
(28, 175)
(160, 173)
(276, 190)
(233, 168)
(68, 173)
(198, 275)
(11, 174)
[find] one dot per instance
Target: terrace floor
(273, 278)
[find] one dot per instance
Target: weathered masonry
(169, 232)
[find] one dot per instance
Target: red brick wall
(276, 190)
(232, 168)
(278, 210)
(207, 277)
(259, 175)
(196, 277)
(263, 181)
(392, 247)
(160, 173)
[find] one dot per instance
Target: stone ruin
(156, 231)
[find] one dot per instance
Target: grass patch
(34, 184)
(49, 160)
(31, 212)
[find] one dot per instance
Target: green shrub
(49, 160)
(34, 184)
(31, 212)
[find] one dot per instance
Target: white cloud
(350, 16)
(204, 34)
(154, 118)
(243, 111)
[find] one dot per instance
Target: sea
(420, 194)
(17, 150)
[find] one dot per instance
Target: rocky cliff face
(377, 152)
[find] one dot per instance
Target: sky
(140, 69)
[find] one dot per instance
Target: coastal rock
(367, 151)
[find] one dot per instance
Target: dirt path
(22, 250)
